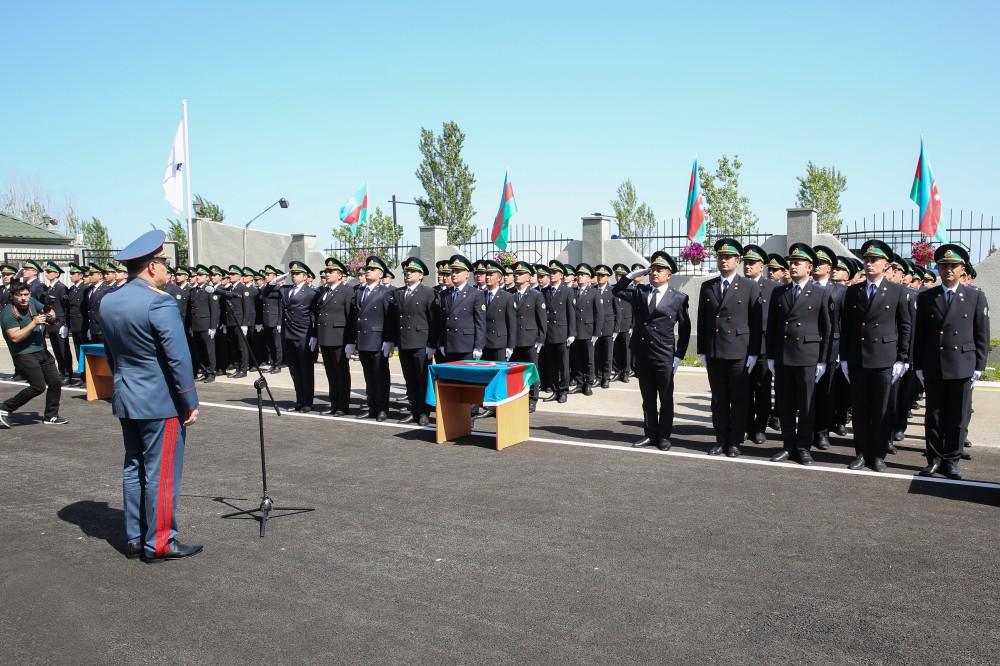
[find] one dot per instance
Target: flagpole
(187, 174)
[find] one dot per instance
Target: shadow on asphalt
(985, 496)
(98, 520)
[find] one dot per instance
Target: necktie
(725, 287)
(454, 295)
(364, 296)
(948, 293)
(872, 288)
(489, 297)
(519, 295)
(652, 301)
(796, 291)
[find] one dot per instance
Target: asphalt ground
(569, 548)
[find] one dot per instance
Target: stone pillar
(433, 248)
(300, 246)
(596, 230)
(801, 226)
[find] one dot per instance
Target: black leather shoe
(773, 423)
(305, 408)
(531, 406)
(294, 408)
(950, 469)
(208, 379)
(645, 441)
(66, 381)
(715, 450)
(364, 415)
(898, 436)
(891, 449)
(489, 413)
(407, 419)
(758, 438)
(966, 455)
(625, 379)
(840, 429)
(382, 416)
(238, 375)
(176, 551)
(878, 465)
(664, 444)
(932, 467)
(423, 420)
(733, 452)
(967, 444)
(857, 463)
(587, 390)
(780, 456)
(274, 371)
(562, 398)
(551, 398)
(133, 550)
(606, 384)
(805, 458)
(822, 442)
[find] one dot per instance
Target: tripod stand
(266, 503)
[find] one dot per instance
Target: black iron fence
(99, 257)
(671, 236)
(62, 259)
(901, 229)
(528, 242)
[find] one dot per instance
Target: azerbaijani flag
(695, 208)
(504, 381)
(925, 194)
(508, 206)
(355, 210)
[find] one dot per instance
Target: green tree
(208, 210)
(71, 221)
(177, 231)
(635, 220)
(95, 235)
(727, 212)
(25, 199)
(379, 236)
(821, 188)
(448, 182)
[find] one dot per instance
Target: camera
(49, 317)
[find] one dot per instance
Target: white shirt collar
(878, 284)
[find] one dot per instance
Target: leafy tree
(821, 188)
(379, 236)
(727, 212)
(24, 198)
(448, 182)
(95, 235)
(71, 221)
(209, 210)
(177, 231)
(636, 220)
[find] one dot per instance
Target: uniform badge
(986, 312)
(543, 306)
(483, 306)
(214, 297)
(760, 300)
(574, 301)
(180, 296)
(907, 297)
(832, 306)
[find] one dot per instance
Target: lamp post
(613, 217)
(283, 202)
(395, 201)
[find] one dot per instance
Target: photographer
(23, 323)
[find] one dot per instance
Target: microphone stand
(266, 503)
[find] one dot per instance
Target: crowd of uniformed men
(832, 338)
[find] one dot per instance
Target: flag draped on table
(173, 178)
(925, 194)
(355, 210)
(504, 381)
(508, 206)
(695, 208)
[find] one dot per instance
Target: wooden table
(454, 414)
(93, 365)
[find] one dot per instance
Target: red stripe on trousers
(166, 487)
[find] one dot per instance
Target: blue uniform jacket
(147, 353)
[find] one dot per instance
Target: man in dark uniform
(333, 312)
(826, 387)
(248, 278)
(874, 344)
(7, 273)
(272, 310)
(372, 332)
(949, 356)
(298, 331)
(419, 310)
(799, 331)
(57, 298)
(76, 312)
(727, 343)
(442, 288)
(508, 279)
(532, 322)
(203, 321)
(238, 313)
(259, 344)
(759, 377)
(542, 282)
(223, 357)
(98, 288)
(903, 394)
(607, 331)
(179, 290)
(29, 274)
(622, 353)
(777, 269)
(589, 319)
(501, 315)
(560, 302)
(843, 274)
(657, 310)
(463, 332)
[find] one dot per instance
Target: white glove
(538, 347)
(976, 375)
(637, 274)
(223, 327)
(897, 371)
(906, 368)
(630, 332)
(387, 349)
(430, 352)
(477, 354)
(441, 349)
(211, 333)
(920, 376)
(18, 274)
(677, 364)
(510, 352)
(593, 340)
(88, 336)
(244, 329)
(751, 362)
(279, 328)
(279, 279)
(843, 369)
(570, 340)
(63, 332)
(820, 371)
(209, 288)
(349, 349)
(704, 359)
(614, 336)
(770, 365)
(312, 344)
(191, 332)
(258, 328)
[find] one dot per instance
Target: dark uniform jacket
(589, 313)
(653, 337)
(419, 317)
(799, 331)
(837, 294)
(561, 304)
(501, 320)
(236, 302)
(532, 319)
(763, 288)
(876, 334)
(76, 308)
(271, 307)
(375, 321)
(464, 327)
(180, 295)
(203, 310)
(725, 323)
(333, 311)
(37, 290)
(94, 296)
(624, 297)
(298, 322)
(57, 298)
(610, 305)
(952, 341)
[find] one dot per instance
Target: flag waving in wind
(925, 194)
(508, 206)
(173, 179)
(695, 208)
(355, 210)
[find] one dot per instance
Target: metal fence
(354, 255)
(62, 259)
(900, 229)
(529, 242)
(100, 257)
(671, 236)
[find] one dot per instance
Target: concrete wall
(222, 244)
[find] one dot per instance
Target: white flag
(173, 183)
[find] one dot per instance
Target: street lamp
(283, 202)
(395, 201)
(613, 217)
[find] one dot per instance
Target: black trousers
(39, 369)
(797, 407)
(222, 355)
(945, 417)
(457, 356)
(759, 403)
(603, 358)
(258, 350)
(557, 366)
(656, 383)
(870, 405)
(904, 400)
(527, 355)
(414, 364)
(274, 345)
(622, 353)
(299, 358)
(842, 393)
(79, 339)
(338, 377)
(826, 401)
(376, 368)
(728, 382)
(581, 361)
(206, 352)
(62, 354)
(238, 347)
(494, 354)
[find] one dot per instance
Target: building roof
(16, 230)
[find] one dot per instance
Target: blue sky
(308, 100)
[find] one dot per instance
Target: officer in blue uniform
(532, 321)
(298, 331)
(419, 310)
(463, 332)
(372, 333)
(657, 311)
(154, 397)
